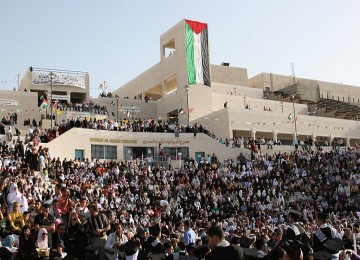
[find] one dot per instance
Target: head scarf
(42, 242)
(8, 241)
(12, 187)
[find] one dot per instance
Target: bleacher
(323, 108)
(335, 108)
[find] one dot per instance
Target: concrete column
(231, 133)
(314, 138)
(163, 90)
(253, 134)
(275, 134)
(348, 142)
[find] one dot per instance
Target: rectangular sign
(130, 109)
(64, 79)
(9, 102)
(75, 114)
(59, 97)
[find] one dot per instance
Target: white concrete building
(220, 97)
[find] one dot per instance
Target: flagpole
(117, 109)
(293, 100)
(51, 74)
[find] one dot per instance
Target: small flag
(44, 104)
(55, 104)
(190, 110)
(290, 116)
(181, 111)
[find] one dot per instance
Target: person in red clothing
(65, 203)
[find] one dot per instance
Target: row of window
(109, 152)
(343, 98)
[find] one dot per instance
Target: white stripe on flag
(198, 59)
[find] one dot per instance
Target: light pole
(187, 104)
(282, 107)
(117, 109)
(293, 100)
(51, 74)
(18, 77)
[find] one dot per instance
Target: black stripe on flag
(205, 57)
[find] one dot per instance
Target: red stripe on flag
(197, 27)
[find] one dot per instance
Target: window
(107, 152)
(174, 152)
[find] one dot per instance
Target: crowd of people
(152, 125)
(284, 206)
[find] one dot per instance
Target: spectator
(16, 219)
(5, 221)
(78, 229)
(99, 225)
(8, 248)
(220, 248)
(42, 244)
(115, 242)
(27, 247)
(44, 221)
(15, 196)
(189, 234)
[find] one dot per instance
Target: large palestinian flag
(197, 53)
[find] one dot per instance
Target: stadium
(228, 104)
(186, 158)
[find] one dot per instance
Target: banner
(75, 115)
(10, 102)
(130, 109)
(43, 78)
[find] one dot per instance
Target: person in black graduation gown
(153, 245)
(323, 233)
(220, 248)
(297, 232)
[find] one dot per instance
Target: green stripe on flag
(44, 105)
(190, 59)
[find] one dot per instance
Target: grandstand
(220, 97)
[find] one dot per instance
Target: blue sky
(116, 40)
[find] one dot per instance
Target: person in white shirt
(114, 242)
(42, 162)
(116, 125)
(31, 130)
